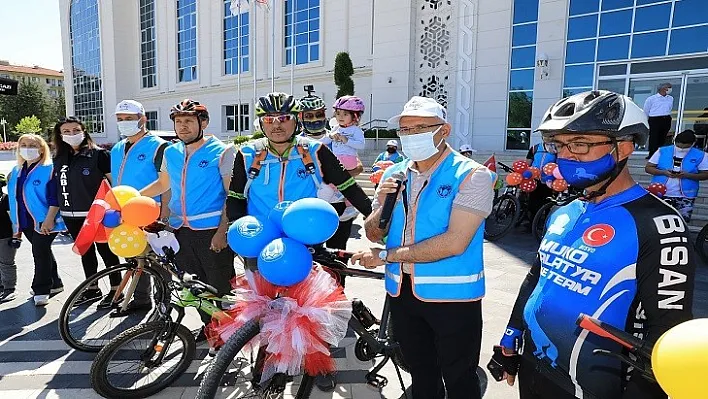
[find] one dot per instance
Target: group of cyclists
(615, 252)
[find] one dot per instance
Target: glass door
(642, 88)
(694, 113)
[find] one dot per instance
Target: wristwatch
(383, 255)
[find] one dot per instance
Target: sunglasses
(314, 115)
(270, 119)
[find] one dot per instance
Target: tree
(29, 124)
(343, 71)
(56, 109)
(29, 101)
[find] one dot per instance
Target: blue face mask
(315, 127)
(585, 174)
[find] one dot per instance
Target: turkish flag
(491, 164)
(93, 229)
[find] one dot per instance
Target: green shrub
(241, 140)
(383, 133)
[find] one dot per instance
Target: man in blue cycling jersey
(286, 167)
(618, 254)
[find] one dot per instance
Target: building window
(86, 64)
(186, 40)
(231, 117)
(235, 38)
(151, 120)
(522, 75)
(305, 27)
(148, 45)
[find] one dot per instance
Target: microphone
(390, 201)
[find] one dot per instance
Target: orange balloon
(536, 172)
(140, 211)
(549, 168)
(559, 185)
(514, 179)
(112, 201)
(376, 176)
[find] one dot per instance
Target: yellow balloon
(680, 359)
(123, 194)
(127, 241)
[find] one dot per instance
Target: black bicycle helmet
(277, 103)
(598, 112)
(189, 107)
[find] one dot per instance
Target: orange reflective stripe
(255, 168)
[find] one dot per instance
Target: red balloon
(376, 176)
(559, 185)
(520, 166)
(536, 172)
(514, 179)
(528, 185)
(657, 189)
(549, 168)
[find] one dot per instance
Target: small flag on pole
(491, 164)
(93, 229)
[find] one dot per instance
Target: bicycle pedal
(376, 381)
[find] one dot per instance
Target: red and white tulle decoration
(298, 323)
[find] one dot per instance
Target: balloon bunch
(127, 212)
(527, 177)
(657, 189)
(378, 171)
(280, 240)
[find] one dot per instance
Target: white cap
(421, 106)
(466, 148)
(130, 107)
(392, 143)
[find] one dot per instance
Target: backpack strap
(303, 149)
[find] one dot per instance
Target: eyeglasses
(416, 129)
(575, 147)
(270, 119)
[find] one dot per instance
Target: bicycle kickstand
(400, 380)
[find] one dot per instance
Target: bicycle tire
(503, 201)
(211, 380)
(100, 367)
(64, 316)
(701, 243)
(538, 226)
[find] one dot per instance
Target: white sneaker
(41, 300)
(53, 291)
(349, 214)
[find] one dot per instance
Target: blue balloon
(276, 214)
(527, 174)
(375, 168)
(310, 221)
(111, 219)
(285, 262)
(250, 234)
(547, 178)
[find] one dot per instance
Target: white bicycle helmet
(597, 112)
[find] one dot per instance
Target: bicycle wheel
(132, 358)
(538, 227)
(87, 327)
(505, 212)
(397, 357)
(702, 244)
(244, 368)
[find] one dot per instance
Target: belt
(71, 214)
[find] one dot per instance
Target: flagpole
(292, 47)
(240, 68)
(272, 47)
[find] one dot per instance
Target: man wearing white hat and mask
(391, 153)
(433, 255)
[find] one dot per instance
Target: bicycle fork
(162, 340)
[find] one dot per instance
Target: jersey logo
(582, 174)
(86, 172)
(36, 182)
(203, 163)
(142, 157)
(301, 173)
(558, 226)
(444, 190)
(598, 235)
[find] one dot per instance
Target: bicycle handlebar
(627, 340)
(190, 280)
(506, 167)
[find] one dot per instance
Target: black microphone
(390, 201)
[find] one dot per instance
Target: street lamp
(3, 122)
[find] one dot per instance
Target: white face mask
(421, 146)
(668, 91)
(129, 128)
(29, 154)
(681, 152)
(73, 140)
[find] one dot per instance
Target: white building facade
(495, 64)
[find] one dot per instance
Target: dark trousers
(440, 342)
(195, 257)
(89, 260)
(659, 127)
(46, 274)
(534, 385)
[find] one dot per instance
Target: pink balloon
(557, 173)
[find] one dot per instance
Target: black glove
(502, 363)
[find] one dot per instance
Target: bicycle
(151, 343)
(506, 211)
(538, 226)
(376, 339)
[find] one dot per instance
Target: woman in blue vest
(680, 167)
(433, 255)
(34, 211)
(81, 166)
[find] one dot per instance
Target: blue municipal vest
(454, 279)
(137, 167)
(198, 193)
(541, 157)
(35, 196)
(280, 179)
(690, 164)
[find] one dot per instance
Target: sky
(30, 33)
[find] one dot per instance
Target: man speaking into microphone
(433, 255)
